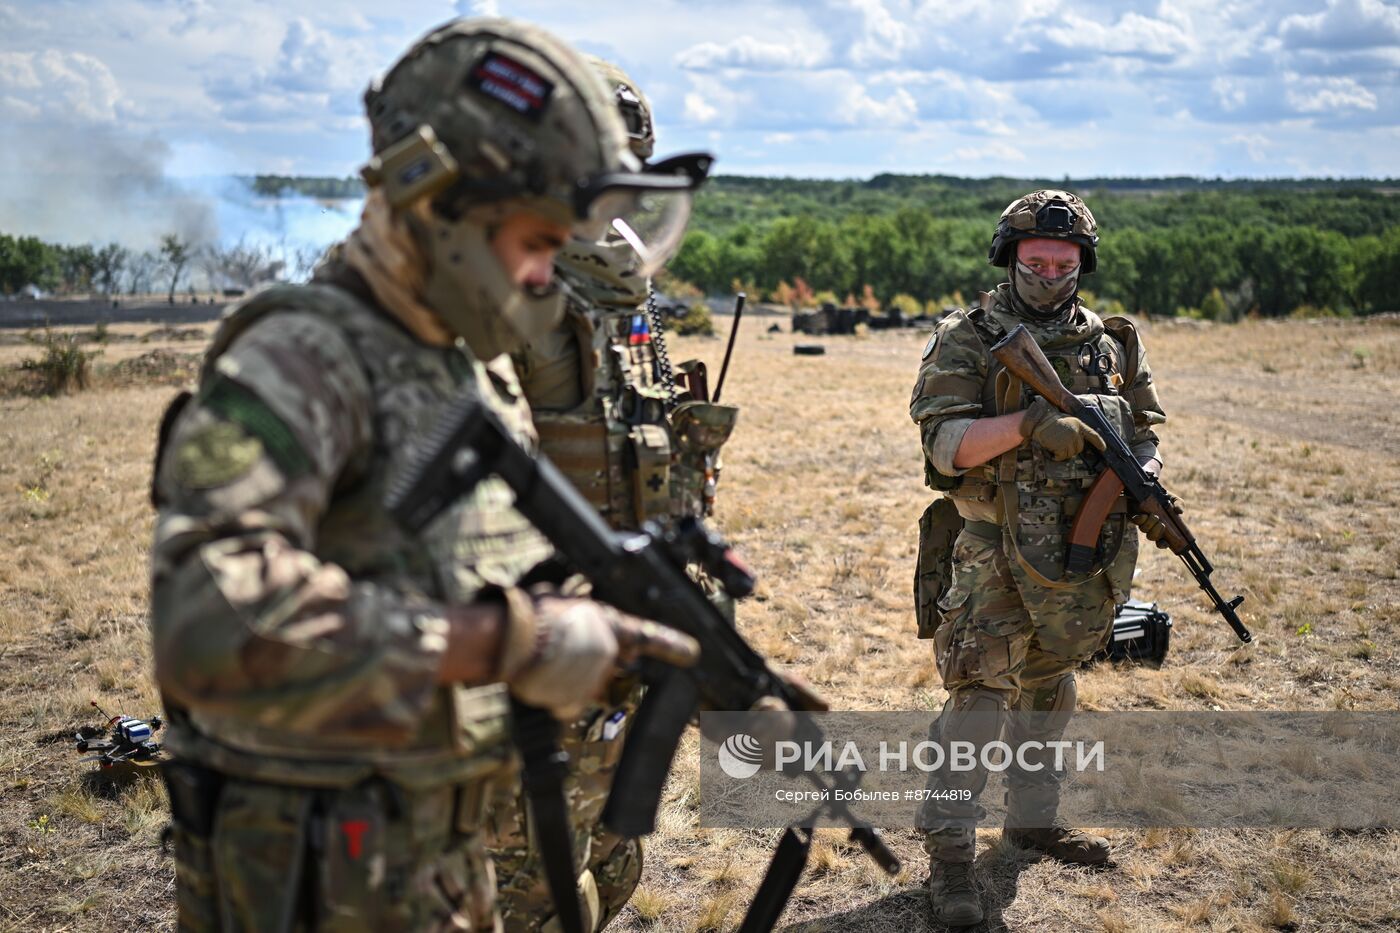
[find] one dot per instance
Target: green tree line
(107, 269)
(1221, 250)
(1214, 247)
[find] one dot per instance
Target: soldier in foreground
(1009, 630)
(337, 690)
(604, 412)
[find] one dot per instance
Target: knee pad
(1045, 707)
(975, 714)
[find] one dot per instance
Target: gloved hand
(1153, 527)
(1063, 436)
(577, 644)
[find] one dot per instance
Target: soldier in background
(609, 415)
(1009, 631)
(338, 690)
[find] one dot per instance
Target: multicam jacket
(298, 628)
(1102, 361)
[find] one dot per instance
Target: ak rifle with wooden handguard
(1024, 359)
(643, 573)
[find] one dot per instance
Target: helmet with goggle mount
(633, 107)
(1046, 214)
(483, 118)
(614, 262)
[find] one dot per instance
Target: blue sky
(845, 88)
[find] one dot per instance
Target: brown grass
(1287, 456)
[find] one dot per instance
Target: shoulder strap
(986, 326)
(1125, 332)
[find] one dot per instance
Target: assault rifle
(644, 574)
(1023, 358)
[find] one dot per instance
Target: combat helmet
(610, 264)
(632, 105)
(486, 116)
(1048, 214)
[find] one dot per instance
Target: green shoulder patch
(234, 403)
(932, 342)
(215, 455)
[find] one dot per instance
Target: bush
(1311, 312)
(697, 321)
(63, 366)
(907, 305)
(1215, 308)
(676, 288)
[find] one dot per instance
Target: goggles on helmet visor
(647, 209)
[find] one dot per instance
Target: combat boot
(1061, 843)
(952, 890)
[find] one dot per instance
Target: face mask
(470, 291)
(1044, 296)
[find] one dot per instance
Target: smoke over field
(101, 184)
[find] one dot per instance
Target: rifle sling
(543, 768)
(789, 858)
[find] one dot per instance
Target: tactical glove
(560, 654)
(1062, 436)
(1153, 527)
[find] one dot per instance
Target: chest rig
(643, 444)
(1036, 497)
(480, 542)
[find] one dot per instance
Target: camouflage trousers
(608, 866)
(1007, 650)
(369, 858)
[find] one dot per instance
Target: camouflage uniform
(310, 629)
(1009, 632)
(601, 413)
(323, 779)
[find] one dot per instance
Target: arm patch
(234, 403)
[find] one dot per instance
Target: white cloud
(1230, 94)
(753, 54)
(857, 108)
(59, 85)
(478, 8)
(1329, 95)
(697, 110)
(1256, 144)
(884, 37)
(1132, 34)
(892, 82)
(1345, 24)
(995, 152)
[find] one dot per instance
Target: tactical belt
(987, 531)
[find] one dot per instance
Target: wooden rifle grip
(1089, 520)
(1178, 536)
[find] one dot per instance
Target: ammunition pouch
(649, 459)
(700, 429)
(938, 529)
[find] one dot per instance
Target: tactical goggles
(648, 209)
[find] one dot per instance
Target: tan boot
(1061, 843)
(952, 890)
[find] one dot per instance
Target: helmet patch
(513, 84)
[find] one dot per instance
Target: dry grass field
(1283, 440)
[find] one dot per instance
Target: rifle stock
(1022, 356)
